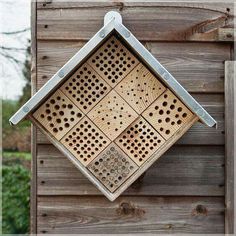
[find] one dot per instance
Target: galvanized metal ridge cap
(166, 77)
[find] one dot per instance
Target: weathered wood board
(154, 215)
(192, 40)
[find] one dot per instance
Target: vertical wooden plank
(33, 197)
(230, 67)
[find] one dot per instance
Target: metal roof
(113, 22)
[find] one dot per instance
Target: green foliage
(15, 199)
(19, 155)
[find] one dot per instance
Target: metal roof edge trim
(166, 77)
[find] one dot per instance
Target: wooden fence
(184, 191)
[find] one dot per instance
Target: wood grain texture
(85, 141)
(60, 215)
(140, 88)
(139, 141)
(192, 167)
(58, 114)
(85, 88)
(188, 170)
(216, 6)
(203, 61)
(167, 114)
(199, 134)
(112, 115)
(191, 23)
(113, 61)
(230, 143)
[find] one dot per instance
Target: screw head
(165, 76)
(61, 74)
(102, 34)
(25, 109)
(200, 112)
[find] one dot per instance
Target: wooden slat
(230, 88)
(171, 23)
(203, 61)
(216, 6)
(88, 215)
(188, 170)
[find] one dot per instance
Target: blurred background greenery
(16, 162)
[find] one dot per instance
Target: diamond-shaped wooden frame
(113, 110)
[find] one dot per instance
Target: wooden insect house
(113, 109)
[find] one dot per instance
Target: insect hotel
(113, 109)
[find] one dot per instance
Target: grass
(21, 155)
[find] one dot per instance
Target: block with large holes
(167, 114)
(58, 114)
(113, 110)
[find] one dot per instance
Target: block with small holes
(139, 141)
(85, 88)
(112, 167)
(167, 114)
(140, 88)
(113, 61)
(58, 114)
(112, 114)
(85, 141)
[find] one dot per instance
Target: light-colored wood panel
(140, 88)
(182, 170)
(140, 141)
(112, 167)
(60, 215)
(172, 23)
(112, 115)
(167, 114)
(58, 114)
(113, 61)
(203, 61)
(85, 88)
(85, 141)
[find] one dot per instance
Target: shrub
(15, 199)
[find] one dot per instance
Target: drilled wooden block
(113, 61)
(85, 88)
(112, 115)
(58, 114)
(85, 141)
(139, 141)
(140, 88)
(112, 167)
(167, 114)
